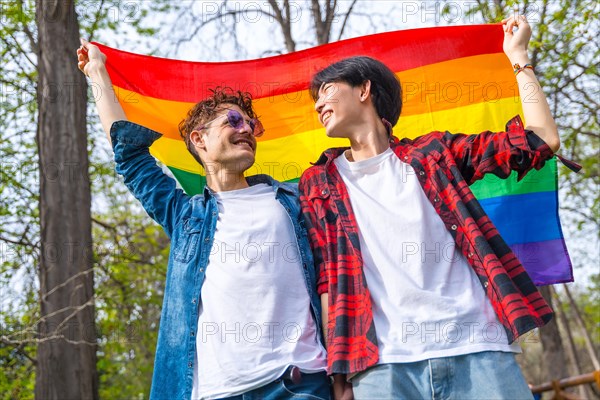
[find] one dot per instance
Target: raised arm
(535, 106)
(156, 191)
(93, 64)
(519, 148)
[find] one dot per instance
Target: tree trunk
(66, 354)
(553, 352)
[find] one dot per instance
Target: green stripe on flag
(535, 181)
(490, 186)
(194, 183)
(191, 183)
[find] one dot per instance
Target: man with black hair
(421, 296)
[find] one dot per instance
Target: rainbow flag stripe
(453, 78)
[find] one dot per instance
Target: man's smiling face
(338, 107)
(220, 143)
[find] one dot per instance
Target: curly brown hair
(207, 109)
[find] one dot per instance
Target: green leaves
(132, 257)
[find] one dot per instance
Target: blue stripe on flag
(524, 218)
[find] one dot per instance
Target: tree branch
(104, 224)
(97, 18)
(23, 52)
(346, 17)
(65, 283)
(19, 348)
(28, 33)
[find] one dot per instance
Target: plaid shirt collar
(332, 153)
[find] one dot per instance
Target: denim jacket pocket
(187, 244)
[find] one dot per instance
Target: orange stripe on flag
(437, 87)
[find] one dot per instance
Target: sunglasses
(237, 121)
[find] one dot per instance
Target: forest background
(81, 264)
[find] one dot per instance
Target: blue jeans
(485, 375)
(311, 387)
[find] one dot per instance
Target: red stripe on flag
(188, 81)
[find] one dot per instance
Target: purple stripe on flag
(546, 262)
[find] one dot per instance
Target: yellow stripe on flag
(285, 158)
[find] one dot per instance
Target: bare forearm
(342, 390)
(107, 104)
(536, 110)
(538, 118)
(324, 312)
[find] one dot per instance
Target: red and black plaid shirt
(445, 164)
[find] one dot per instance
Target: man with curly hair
(240, 312)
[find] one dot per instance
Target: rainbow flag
(454, 78)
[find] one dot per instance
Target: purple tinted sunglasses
(236, 121)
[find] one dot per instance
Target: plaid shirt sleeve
(498, 153)
(316, 235)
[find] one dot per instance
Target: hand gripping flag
(454, 78)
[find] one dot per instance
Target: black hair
(385, 86)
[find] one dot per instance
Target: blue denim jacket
(190, 223)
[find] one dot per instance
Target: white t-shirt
(427, 300)
(255, 318)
